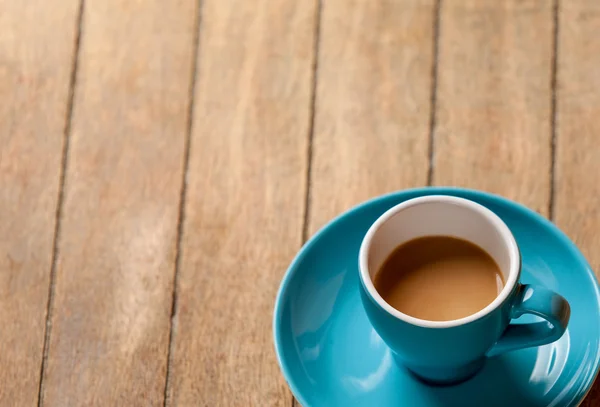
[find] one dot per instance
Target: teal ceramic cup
(446, 352)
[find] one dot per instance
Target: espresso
(439, 278)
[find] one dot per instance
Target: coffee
(439, 278)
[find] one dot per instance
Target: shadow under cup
(446, 352)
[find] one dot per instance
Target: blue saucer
(331, 356)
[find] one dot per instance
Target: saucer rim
(414, 193)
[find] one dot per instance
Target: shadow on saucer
(493, 386)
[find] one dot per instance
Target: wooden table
(161, 162)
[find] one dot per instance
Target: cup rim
(511, 281)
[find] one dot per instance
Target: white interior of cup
(439, 215)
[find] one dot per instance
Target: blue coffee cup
(447, 352)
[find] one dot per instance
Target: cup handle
(537, 301)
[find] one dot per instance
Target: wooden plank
(246, 187)
(578, 133)
(34, 89)
(111, 314)
(373, 102)
(494, 98)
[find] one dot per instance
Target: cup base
(445, 376)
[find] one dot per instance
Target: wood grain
(34, 89)
(373, 102)
(111, 314)
(578, 133)
(246, 187)
(494, 98)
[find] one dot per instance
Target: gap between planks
(182, 199)
(311, 127)
(60, 199)
(553, 107)
(434, 80)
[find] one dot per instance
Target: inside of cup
(465, 220)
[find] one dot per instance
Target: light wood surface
(373, 102)
(113, 289)
(34, 92)
(245, 199)
(208, 139)
(577, 188)
(494, 98)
